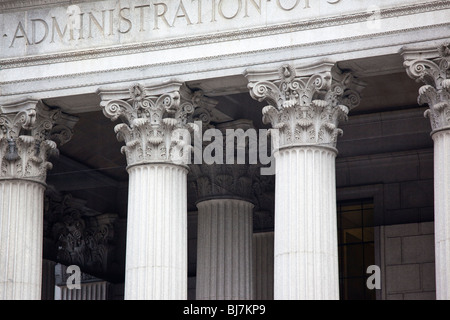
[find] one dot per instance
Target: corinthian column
(28, 135)
(305, 107)
(156, 132)
(435, 74)
(225, 229)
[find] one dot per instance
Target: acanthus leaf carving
(155, 127)
(229, 178)
(434, 73)
(224, 181)
(306, 109)
(81, 235)
(29, 135)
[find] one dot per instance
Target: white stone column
(305, 107)
(225, 222)
(24, 165)
(442, 212)
(156, 132)
(88, 291)
(21, 218)
(433, 68)
(224, 254)
(156, 265)
(306, 255)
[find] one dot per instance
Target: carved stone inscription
(117, 22)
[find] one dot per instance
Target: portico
(332, 82)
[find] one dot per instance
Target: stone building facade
(225, 149)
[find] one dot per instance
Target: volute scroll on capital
(434, 72)
(306, 104)
(78, 234)
(157, 122)
(30, 132)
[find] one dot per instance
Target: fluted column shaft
(224, 254)
(156, 129)
(225, 224)
(306, 257)
(442, 212)
(29, 134)
(305, 108)
(156, 257)
(21, 229)
(88, 291)
(432, 68)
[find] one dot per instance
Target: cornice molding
(199, 68)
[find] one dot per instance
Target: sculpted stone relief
(156, 127)
(435, 74)
(306, 110)
(29, 135)
(82, 236)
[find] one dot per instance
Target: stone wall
(407, 257)
(388, 157)
(391, 153)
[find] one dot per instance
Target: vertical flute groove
(21, 236)
(442, 212)
(305, 251)
(156, 261)
(226, 272)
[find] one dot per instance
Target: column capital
(29, 134)
(231, 179)
(205, 110)
(80, 235)
(156, 120)
(432, 67)
(306, 103)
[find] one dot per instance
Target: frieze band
(76, 24)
